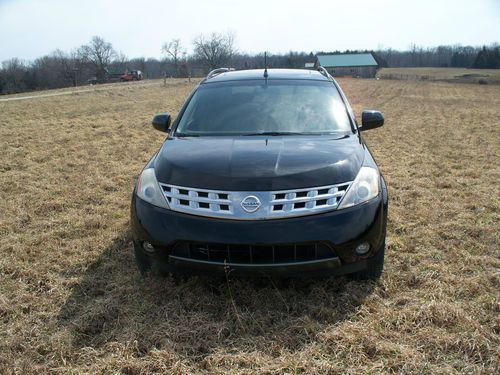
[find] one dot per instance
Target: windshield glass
(253, 107)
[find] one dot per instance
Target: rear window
(252, 107)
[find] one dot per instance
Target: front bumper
(323, 267)
(341, 230)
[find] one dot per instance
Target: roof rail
(324, 72)
(214, 72)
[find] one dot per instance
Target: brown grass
(457, 75)
(71, 300)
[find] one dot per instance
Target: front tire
(375, 266)
(141, 260)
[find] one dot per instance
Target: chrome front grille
(273, 204)
(198, 200)
(305, 200)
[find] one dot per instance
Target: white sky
(138, 28)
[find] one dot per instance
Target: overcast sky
(138, 28)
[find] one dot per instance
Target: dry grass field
(71, 300)
(459, 75)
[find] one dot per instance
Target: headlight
(366, 186)
(149, 190)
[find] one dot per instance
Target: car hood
(257, 163)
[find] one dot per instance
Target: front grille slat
(308, 199)
(199, 199)
(273, 204)
(253, 254)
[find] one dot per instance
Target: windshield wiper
(186, 135)
(277, 133)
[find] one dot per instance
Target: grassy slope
(72, 301)
(95, 88)
(445, 74)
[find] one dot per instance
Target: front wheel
(141, 260)
(375, 266)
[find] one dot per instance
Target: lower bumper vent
(253, 254)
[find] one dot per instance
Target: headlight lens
(366, 186)
(149, 190)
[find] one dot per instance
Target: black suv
(263, 172)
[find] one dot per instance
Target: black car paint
(259, 163)
(262, 163)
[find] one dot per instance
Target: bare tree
(175, 50)
(99, 53)
(14, 73)
(69, 66)
(121, 61)
(215, 50)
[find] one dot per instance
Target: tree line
(443, 56)
(98, 61)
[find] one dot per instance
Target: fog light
(363, 248)
(148, 247)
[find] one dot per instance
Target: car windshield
(278, 107)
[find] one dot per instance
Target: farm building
(352, 64)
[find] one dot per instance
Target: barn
(349, 64)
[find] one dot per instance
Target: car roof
(272, 74)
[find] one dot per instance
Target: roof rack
(214, 72)
(324, 72)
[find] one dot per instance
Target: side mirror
(371, 120)
(162, 122)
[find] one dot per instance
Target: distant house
(309, 65)
(349, 64)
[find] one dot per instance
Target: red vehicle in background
(133, 75)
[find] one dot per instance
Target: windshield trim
(338, 135)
